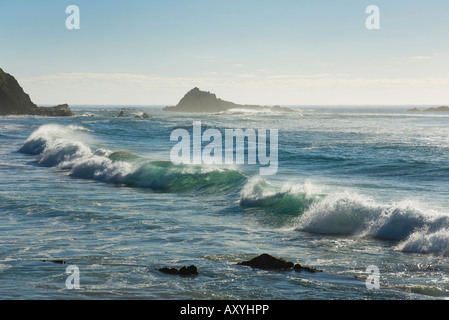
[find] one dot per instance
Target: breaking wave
(59, 147)
(413, 227)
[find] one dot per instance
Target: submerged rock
(184, 271)
(56, 261)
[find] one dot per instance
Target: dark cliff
(14, 101)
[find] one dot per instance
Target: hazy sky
(289, 52)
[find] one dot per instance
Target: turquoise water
(355, 187)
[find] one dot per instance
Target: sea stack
(197, 101)
(14, 101)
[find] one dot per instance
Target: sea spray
(413, 227)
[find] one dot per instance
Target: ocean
(355, 188)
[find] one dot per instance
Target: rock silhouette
(14, 101)
(268, 262)
(201, 101)
(183, 271)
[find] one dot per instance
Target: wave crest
(52, 148)
(413, 227)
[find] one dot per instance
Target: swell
(408, 223)
(51, 147)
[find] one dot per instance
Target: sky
(269, 52)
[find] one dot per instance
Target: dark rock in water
(414, 110)
(14, 101)
(184, 271)
(201, 101)
(121, 114)
(267, 262)
(56, 261)
(62, 110)
(298, 268)
(188, 271)
(167, 270)
(143, 116)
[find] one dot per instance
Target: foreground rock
(201, 101)
(184, 271)
(14, 101)
(268, 262)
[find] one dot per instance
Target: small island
(433, 109)
(439, 109)
(14, 101)
(197, 101)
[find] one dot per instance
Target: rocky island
(205, 102)
(14, 101)
(433, 109)
(439, 109)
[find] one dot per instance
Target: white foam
(427, 242)
(357, 215)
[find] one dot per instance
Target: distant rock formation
(439, 109)
(14, 101)
(433, 109)
(143, 116)
(201, 101)
(137, 116)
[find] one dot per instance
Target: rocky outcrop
(184, 271)
(268, 262)
(137, 116)
(433, 109)
(143, 116)
(201, 101)
(439, 109)
(62, 110)
(14, 101)
(58, 261)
